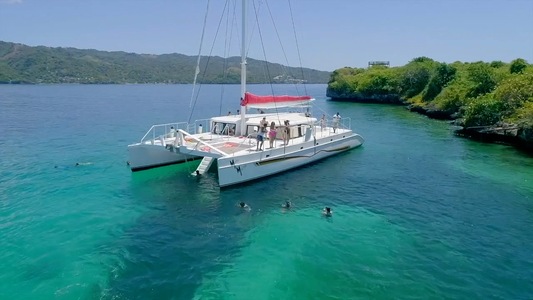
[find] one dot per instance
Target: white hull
(147, 156)
(243, 168)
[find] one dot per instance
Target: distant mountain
(24, 64)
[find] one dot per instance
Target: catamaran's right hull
(239, 169)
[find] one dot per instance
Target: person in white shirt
(172, 132)
(336, 121)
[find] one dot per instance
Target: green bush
(523, 116)
(515, 91)
(443, 74)
(484, 111)
(518, 66)
(377, 81)
(453, 97)
(482, 77)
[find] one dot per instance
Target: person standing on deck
(272, 134)
(263, 124)
(286, 133)
(260, 139)
(323, 122)
(172, 132)
(336, 121)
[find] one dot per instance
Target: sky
(330, 34)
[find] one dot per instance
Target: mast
(243, 68)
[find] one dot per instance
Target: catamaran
(281, 136)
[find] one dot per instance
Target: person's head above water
(288, 204)
(242, 204)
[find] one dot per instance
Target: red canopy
(270, 101)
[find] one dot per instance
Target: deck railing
(166, 130)
(344, 123)
(204, 124)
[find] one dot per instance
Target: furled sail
(255, 101)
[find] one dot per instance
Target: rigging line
(297, 46)
(197, 69)
(225, 65)
(266, 61)
(227, 48)
(208, 59)
(253, 28)
(285, 69)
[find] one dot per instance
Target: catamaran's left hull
(235, 170)
(147, 156)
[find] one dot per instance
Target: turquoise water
(418, 212)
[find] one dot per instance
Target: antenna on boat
(243, 69)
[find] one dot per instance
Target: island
(492, 102)
(22, 64)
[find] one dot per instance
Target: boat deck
(241, 145)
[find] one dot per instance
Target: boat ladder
(204, 165)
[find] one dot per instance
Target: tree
(378, 81)
(415, 76)
(421, 59)
(497, 64)
(524, 116)
(515, 92)
(442, 75)
(518, 65)
(483, 111)
(482, 77)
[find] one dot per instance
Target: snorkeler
(244, 206)
(327, 211)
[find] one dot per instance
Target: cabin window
(223, 128)
(231, 129)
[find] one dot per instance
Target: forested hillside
(488, 98)
(24, 64)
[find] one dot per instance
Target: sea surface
(418, 213)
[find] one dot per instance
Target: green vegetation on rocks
(490, 100)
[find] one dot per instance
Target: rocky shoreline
(509, 134)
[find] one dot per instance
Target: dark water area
(418, 212)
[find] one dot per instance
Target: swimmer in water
(244, 206)
(327, 211)
(83, 163)
(287, 205)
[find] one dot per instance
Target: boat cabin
(230, 125)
